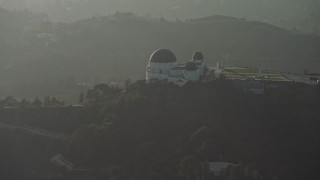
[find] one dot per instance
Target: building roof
(179, 68)
(163, 56)
(197, 56)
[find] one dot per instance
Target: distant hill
(291, 14)
(216, 18)
(38, 55)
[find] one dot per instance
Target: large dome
(163, 56)
(197, 56)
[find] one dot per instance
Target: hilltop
(44, 58)
(290, 14)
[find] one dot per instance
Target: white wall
(159, 71)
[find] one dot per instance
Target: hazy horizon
(298, 14)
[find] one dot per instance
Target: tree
(10, 101)
(24, 103)
(81, 98)
(55, 102)
(37, 102)
(191, 168)
(127, 83)
(47, 101)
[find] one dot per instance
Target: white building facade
(163, 66)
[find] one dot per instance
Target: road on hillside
(35, 131)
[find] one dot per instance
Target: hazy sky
(78, 9)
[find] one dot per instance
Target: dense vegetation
(25, 156)
(11, 102)
(154, 131)
(160, 131)
(40, 58)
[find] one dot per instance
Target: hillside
(290, 14)
(161, 131)
(23, 155)
(151, 129)
(44, 58)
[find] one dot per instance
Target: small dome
(163, 56)
(197, 56)
(190, 66)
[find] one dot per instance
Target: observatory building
(163, 66)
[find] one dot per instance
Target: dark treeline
(161, 131)
(12, 102)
